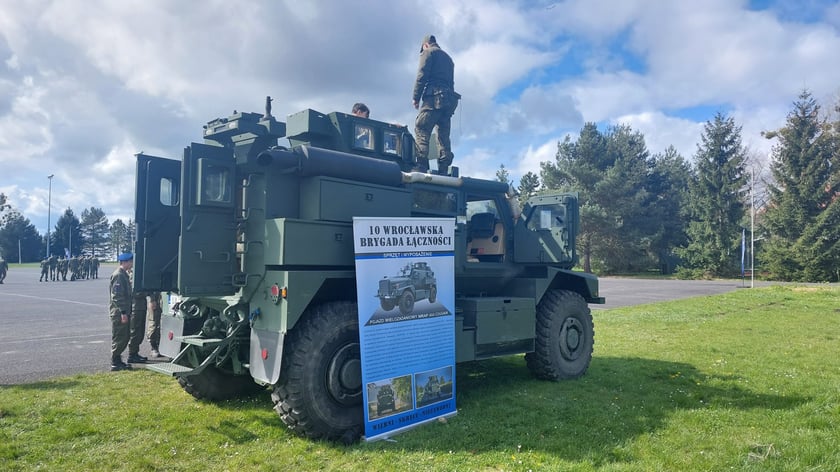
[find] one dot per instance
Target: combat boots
(118, 364)
(136, 358)
(444, 161)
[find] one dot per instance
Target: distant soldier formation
(80, 267)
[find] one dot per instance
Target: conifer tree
(799, 220)
(716, 204)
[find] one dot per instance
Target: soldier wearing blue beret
(120, 310)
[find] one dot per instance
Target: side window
(363, 137)
(434, 201)
(215, 184)
(481, 206)
(547, 217)
(168, 192)
(391, 144)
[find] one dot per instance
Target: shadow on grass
(501, 407)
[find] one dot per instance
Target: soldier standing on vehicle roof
(435, 85)
(120, 309)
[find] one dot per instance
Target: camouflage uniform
(4, 267)
(62, 268)
(138, 327)
(119, 307)
(52, 261)
(153, 319)
(45, 271)
(435, 85)
(74, 268)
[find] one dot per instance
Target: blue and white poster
(405, 278)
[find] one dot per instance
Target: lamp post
(49, 207)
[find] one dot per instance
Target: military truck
(385, 400)
(432, 388)
(250, 236)
(416, 282)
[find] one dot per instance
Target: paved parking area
(53, 329)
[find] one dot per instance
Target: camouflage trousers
(426, 121)
(153, 331)
(119, 335)
(137, 325)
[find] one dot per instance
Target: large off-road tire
(387, 304)
(214, 384)
(319, 393)
(406, 302)
(565, 336)
(433, 294)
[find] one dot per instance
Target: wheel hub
(571, 338)
(344, 375)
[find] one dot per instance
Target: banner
(743, 248)
(405, 282)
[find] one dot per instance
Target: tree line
(639, 211)
(661, 212)
(91, 234)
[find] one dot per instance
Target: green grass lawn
(743, 381)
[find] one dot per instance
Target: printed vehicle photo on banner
(405, 281)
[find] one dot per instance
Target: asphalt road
(626, 292)
(54, 329)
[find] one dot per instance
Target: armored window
(438, 202)
(363, 137)
(391, 144)
(168, 192)
(481, 206)
(215, 184)
(547, 217)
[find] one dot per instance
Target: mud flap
(171, 330)
(266, 355)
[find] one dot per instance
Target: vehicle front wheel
(406, 302)
(319, 393)
(565, 337)
(387, 304)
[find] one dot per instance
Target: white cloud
(532, 157)
(85, 85)
(662, 131)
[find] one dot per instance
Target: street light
(49, 207)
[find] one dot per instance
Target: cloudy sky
(86, 84)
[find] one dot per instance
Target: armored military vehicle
(432, 388)
(385, 400)
(250, 236)
(417, 282)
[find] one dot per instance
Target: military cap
(429, 38)
(126, 256)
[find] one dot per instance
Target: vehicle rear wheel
(565, 336)
(319, 393)
(406, 302)
(215, 385)
(433, 294)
